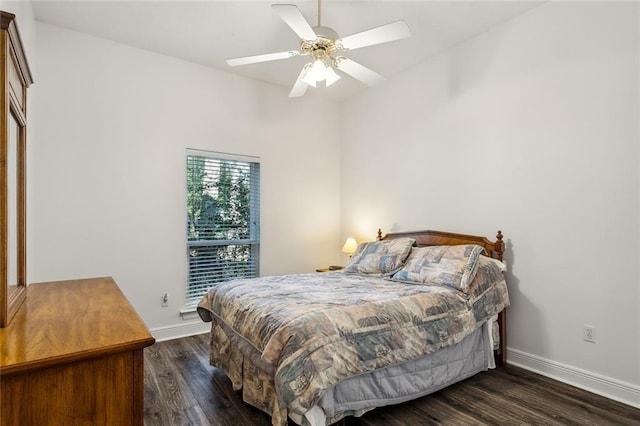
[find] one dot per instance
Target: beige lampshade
(349, 246)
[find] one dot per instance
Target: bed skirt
(357, 395)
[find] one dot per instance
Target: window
(223, 220)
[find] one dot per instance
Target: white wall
(531, 128)
(114, 123)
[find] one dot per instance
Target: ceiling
(208, 32)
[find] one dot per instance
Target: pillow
(453, 266)
(499, 263)
(380, 257)
(488, 276)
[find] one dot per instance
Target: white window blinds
(223, 220)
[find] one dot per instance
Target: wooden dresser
(73, 355)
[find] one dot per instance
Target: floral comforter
(310, 331)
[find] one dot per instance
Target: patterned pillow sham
(487, 275)
(453, 266)
(382, 258)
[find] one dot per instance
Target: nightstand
(330, 269)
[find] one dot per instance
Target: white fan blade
(383, 34)
(360, 72)
(234, 62)
(300, 87)
(292, 16)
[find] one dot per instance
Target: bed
(412, 313)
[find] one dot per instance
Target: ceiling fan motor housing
(326, 32)
(323, 46)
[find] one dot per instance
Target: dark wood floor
(182, 389)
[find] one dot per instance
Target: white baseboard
(608, 387)
(180, 330)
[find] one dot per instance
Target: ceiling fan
(322, 45)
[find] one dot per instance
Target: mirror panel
(12, 207)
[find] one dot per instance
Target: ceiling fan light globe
(318, 69)
(315, 73)
(309, 78)
(331, 76)
(310, 82)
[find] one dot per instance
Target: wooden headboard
(494, 249)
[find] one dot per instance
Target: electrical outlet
(589, 333)
(165, 300)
